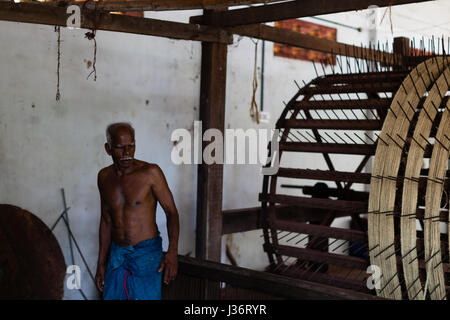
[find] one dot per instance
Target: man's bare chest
(132, 190)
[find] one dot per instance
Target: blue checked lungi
(132, 271)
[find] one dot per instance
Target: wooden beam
(210, 177)
(343, 176)
(322, 257)
(42, 14)
(159, 5)
(332, 124)
(320, 230)
(337, 148)
(381, 104)
(331, 279)
(337, 205)
(296, 39)
(290, 10)
(401, 46)
(241, 220)
(208, 245)
(265, 282)
(249, 219)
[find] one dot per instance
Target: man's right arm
(104, 240)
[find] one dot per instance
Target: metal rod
(59, 218)
(66, 217)
(79, 250)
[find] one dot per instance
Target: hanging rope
(91, 35)
(389, 8)
(254, 107)
(58, 94)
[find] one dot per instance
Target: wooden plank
(249, 219)
(319, 230)
(338, 205)
(296, 39)
(235, 293)
(184, 287)
(42, 14)
(160, 5)
(338, 148)
(351, 88)
(241, 220)
(344, 176)
(332, 124)
(378, 104)
(291, 10)
(277, 285)
(322, 257)
(329, 279)
(353, 177)
(361, 77)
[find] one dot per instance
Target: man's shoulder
(149, 167)
(103, 173)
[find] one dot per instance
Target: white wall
(48, 145)
(153, 83)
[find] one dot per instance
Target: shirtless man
(130, 259)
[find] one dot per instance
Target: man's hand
(100, 278)
(169, 264)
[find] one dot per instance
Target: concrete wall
(48, 145)
(153, 83)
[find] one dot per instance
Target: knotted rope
(91, 35)
(254, 107)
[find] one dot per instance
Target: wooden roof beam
(159, 5)
(296, 39)
(41, 14)
(51, 15)
(289, 10)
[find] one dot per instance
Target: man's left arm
(163, 194)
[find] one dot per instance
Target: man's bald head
(115, 128)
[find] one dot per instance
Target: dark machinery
(344, 118)
(31, 262)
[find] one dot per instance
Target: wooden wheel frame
(410, 112)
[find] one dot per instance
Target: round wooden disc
(31, 264)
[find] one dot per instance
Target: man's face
(122, 147)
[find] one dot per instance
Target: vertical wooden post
(208, 245)
(210, 177)
(401, 47)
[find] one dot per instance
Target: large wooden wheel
(399, 121)
(428, 77)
